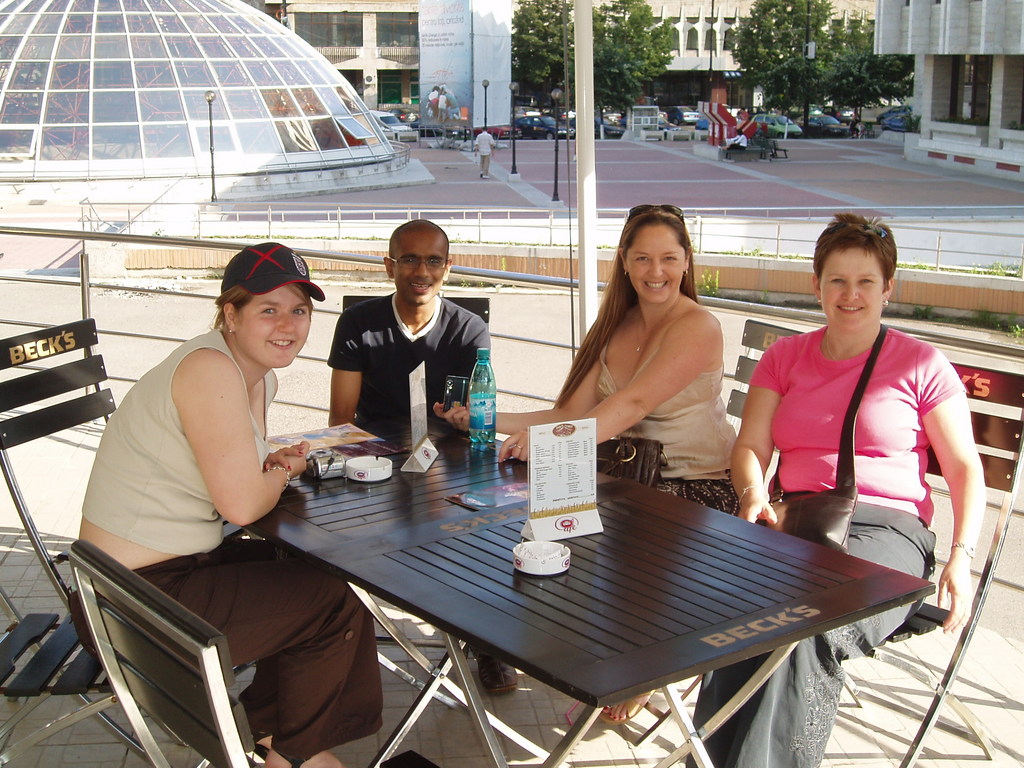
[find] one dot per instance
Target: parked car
(901, 109)
(543, 127)
(682, 115)
(611, 130)
(394, 128)
(406, 114)
(896, 123)
(500, 132)
(777, 126)
(826, 127)
(842, 114)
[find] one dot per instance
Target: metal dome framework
(118, 89)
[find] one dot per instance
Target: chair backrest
(996, 400)
(162, 660)
(757, 337)
(478, 305)
(49, 399)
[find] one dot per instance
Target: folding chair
(997, 403)
(43, 649)
(997, 408)
(162, 660)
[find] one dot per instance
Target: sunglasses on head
(873, 228)
(636, 210)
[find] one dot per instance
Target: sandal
(633, 708)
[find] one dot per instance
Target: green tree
(769, 47)
(537, 63)
(859, 78)
(631, 48)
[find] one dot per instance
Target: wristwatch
(967, 548)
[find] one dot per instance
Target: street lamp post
(808, 55)
(210, 97)
(556, 94)
(485, 83)
(514, 88)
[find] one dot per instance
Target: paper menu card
(423, 451)
(345, 439)
(563, 481)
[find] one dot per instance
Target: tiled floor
(875, 734)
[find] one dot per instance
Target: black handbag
(633, 458)
(824, 517)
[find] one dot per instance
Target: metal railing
(999, 354)
(993, 244)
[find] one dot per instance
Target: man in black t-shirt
(380, 341)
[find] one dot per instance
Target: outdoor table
(669, 590)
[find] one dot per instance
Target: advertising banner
(463, 43)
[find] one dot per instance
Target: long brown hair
(620, 295)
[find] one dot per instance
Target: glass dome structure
(104, 89)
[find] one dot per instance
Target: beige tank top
(691, 425)
(145, 484)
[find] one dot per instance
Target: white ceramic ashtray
(540, 558)
(368, 469)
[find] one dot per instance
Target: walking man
(483, 146)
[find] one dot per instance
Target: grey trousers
(787, 723)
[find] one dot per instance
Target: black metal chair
(163, 662)
(40, 654)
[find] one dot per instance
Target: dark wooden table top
(669, 589)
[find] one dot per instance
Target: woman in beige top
(187, 450)
(650, 366)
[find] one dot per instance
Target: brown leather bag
(634, 458)
(824, 517)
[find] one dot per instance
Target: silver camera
(324, 464)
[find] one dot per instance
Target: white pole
(586, 177)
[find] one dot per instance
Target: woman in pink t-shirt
(797, 401)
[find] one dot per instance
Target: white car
(394, 128)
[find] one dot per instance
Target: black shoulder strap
(844, 469)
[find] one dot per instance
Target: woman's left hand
(516, 446)
(292, 458)
(955, 592)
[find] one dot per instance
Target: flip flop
(634, 708)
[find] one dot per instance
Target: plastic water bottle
(482, 393)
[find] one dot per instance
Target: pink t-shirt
(910, 378)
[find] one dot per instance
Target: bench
(751, 154)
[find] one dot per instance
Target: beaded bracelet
(287, 474)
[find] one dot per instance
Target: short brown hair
(850, 230)
(236, 295)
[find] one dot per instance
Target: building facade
(968, 79)
(375, 45)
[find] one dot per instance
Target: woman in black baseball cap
(187, 450)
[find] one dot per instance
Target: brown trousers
(317, 683)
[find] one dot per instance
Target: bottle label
(481, 411)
